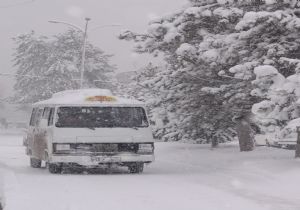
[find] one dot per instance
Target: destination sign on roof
(101, 98)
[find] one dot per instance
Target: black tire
(35, 163)
(136, 168)
(54, 168)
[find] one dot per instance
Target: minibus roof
(88, 97)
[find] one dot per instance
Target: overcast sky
(21, 16)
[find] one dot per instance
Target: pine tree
(212, 48)
(46, 65)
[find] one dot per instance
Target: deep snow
(184, 176)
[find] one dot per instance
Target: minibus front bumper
(97, 160)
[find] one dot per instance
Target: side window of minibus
(50, 117)
(32, 118)
(46, 113)
(38, 116)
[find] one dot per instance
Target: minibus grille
(104, 148)
(101, 148)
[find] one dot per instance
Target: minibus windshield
(99, 117)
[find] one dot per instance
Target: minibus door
(39, 133)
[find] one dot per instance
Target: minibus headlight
(145, 148)
(62, 147)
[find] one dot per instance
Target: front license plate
(106, 159)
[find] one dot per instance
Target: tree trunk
(245, 134)
(297, 152)
(214, 141)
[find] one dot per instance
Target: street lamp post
(83, 52)
(84, 41)
(83, 45)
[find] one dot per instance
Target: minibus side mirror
(43, 123)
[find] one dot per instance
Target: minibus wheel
(54, 168)
(35, 163)
(136, 168)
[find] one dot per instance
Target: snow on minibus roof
(87, 97)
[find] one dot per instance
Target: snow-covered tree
(46, 65)
(212, 48)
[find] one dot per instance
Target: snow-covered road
(183, 177)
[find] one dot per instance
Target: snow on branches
(279, 111)
(214, 50)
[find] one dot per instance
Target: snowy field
(183, 177)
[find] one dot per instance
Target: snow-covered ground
(183, 177)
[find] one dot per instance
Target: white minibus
(89, 128)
